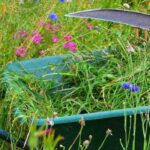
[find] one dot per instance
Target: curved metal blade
(131, 18)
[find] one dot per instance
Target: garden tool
(132, 18)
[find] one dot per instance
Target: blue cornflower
(134, 88)
(62, 1)
(53, 16)
(131, 87)
(127, 85)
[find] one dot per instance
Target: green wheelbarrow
(96, 124)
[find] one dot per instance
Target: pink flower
(41, 52)
(48, 25)
(72, 49)
(130, 48)
(44, 132)
(54, 29)
(55, 39)
(70, 45)
(23, 33)
(37, 38)
(89, 26)
(35, 32)
(15, 36)
(20, 34)
(67, 37)
(86, 143)
(20, 51)
(41, 23)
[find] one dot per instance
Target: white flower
(126, 5)
(21, 1)
(69, 1)
(50, 122)
(130, 48)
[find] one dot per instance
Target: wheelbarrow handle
(4, 135)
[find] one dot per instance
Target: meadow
(37, 29)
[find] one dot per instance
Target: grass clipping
(89, 84)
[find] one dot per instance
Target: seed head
(82, 122)
(109, 132)
(86, 143)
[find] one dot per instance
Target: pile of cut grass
(89, 85)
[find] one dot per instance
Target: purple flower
(70, 45)
(21, 51)
(62, 1)
(131, 87)
(134, 88)
(37, 38)
(53, 17)
(127, 85)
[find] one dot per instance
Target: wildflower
(86, 143)
(108, 132)
(52, 30)
(20, 51)
(61, 146)
(55, 114)
(56, 27)
(70, 45)
(35, 32)
(67, 37)
(62, 1)
(41, 23)
(50, 122)
(37, 38)
(55, 39)
(134, 88)
(44, 132)
(90, 137)
(15, 36)
(22, 33)
(41, 53)
(21, 2)
(82, 121)
(66, 45)
(48, 25)
(131, 87)
(127, 85)
(126, 5)
(130, 48)
(89, 26)
(53, 17)
(69, 1)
